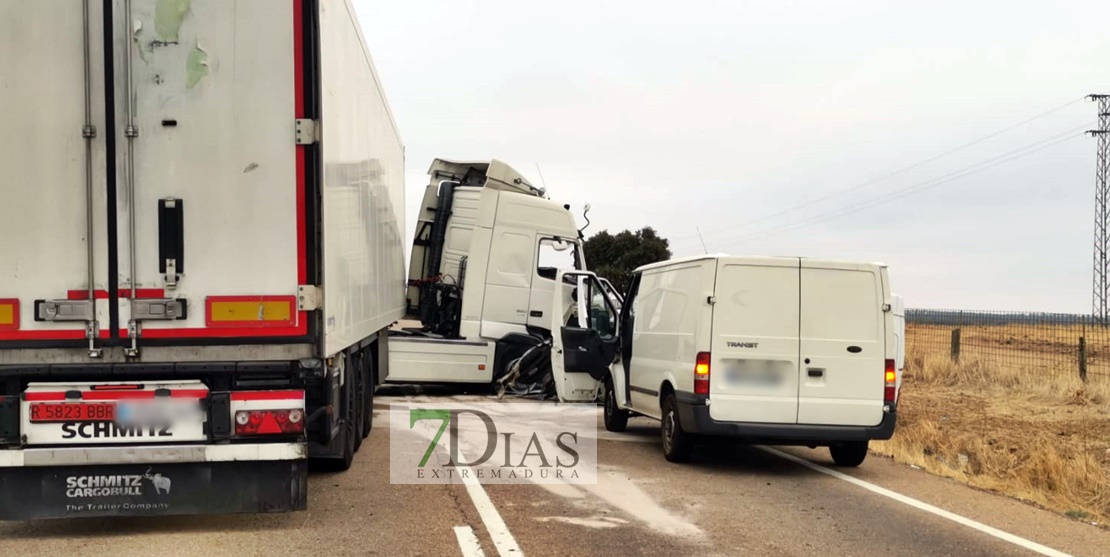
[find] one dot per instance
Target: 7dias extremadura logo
(493, 442)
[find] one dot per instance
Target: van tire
(849, 453)
(677, 444)
(616, 419)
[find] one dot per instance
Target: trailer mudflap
(153, 490)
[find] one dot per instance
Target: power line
(900, 171)
(920, 186)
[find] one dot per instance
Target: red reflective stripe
(299, 112)
(114, 395)
(230, 332)
(124, 293)
(49, 334)
(43, 397)
(267, 395)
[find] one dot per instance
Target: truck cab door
(552, 255)
(584, 336)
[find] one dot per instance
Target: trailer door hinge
(307, 131)
(159, 310)
(309, 298)
(63, 310)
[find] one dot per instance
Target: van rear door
(842, 344)
(754, 366)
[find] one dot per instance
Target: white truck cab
(483, 273)
(769, 350)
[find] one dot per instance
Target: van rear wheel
(849, 453)
(616, 418)
(677, 444)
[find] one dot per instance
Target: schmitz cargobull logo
(117, 485)
(112, 430)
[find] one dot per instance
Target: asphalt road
(731, 500)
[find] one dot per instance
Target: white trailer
(200, 248)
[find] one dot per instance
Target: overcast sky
(728, 115)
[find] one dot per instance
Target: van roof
(738, 259)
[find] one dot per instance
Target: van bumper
(693, 412)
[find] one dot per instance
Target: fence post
(956, 344)
(1083, 359)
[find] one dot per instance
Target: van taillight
(891, 378)
(701, 374)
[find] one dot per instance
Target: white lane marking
(990, 531)
(591, 522)
(503, 539)
(499, 532)
(468, 542)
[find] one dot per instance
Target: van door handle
(855, 349)
(816, 372)
(535, 313)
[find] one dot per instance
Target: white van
(786, 351)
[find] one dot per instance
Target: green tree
(615, 256)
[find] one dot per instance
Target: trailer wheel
(346, 440)
(368, 393)
(358, 376)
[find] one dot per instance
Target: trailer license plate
(73, 412)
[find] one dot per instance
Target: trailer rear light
(701, 374)
(269, 422)
(117, 387)
(9, 314)
(268, 412)
(890, 392)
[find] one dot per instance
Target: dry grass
(1039, 434)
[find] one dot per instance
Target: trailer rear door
(218, 213)
(51, 187)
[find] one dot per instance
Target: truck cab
(483, 273)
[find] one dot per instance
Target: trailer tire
(368, 393)
(358, 373)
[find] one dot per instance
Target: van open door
(584, 336)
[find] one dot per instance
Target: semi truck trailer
(201, 211)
